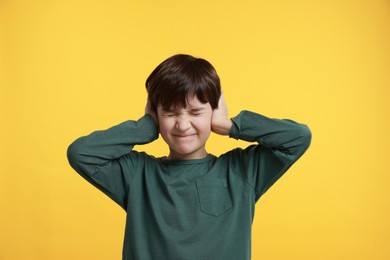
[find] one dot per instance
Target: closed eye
(197, 111)
(197, 114)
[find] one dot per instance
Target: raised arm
(281, 142)
(104, 159)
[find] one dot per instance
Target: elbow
(305, 135)
(301, 143)
(73, 155)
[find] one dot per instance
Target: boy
(189, 204)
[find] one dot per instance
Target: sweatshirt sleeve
(104, 158)
(281, 142)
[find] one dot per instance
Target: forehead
(192, 103)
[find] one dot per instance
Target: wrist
(153, 115)
(222, 126)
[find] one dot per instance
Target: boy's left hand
(220, 121)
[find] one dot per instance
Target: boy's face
(186, 130)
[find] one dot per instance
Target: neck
(196, 155)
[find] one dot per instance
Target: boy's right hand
(148, 110)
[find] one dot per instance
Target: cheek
(204, 123)
(164, 126)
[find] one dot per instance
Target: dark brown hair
(182, 76)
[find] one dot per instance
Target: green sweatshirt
(189, 209)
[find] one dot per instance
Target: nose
(183, 123)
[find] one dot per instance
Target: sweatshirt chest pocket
(214, 196)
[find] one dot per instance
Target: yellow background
(70, 67)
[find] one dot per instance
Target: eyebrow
(193, 109)
(196, 109)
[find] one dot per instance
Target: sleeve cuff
(235, 131)
(150, 124)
